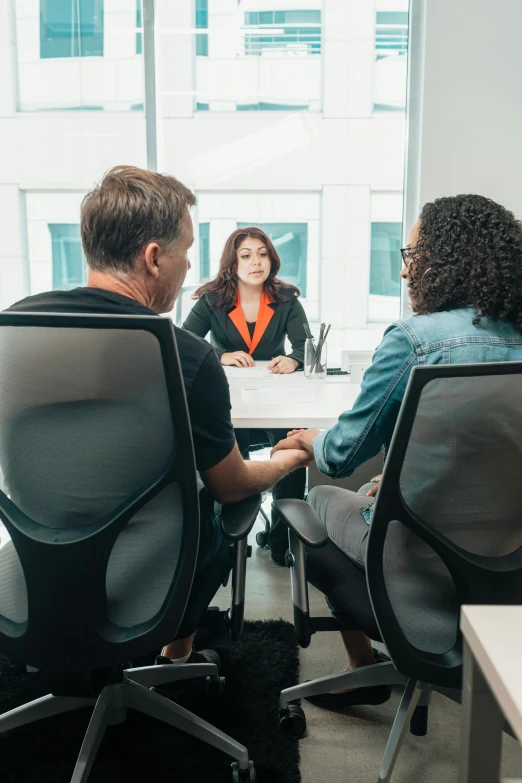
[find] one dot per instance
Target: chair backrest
(447, 524)
(100, 490)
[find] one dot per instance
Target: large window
(71, 29)
(79, 55)
(69, 269)
(291, 243)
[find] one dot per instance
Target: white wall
(470, 128)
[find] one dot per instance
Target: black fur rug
(142, 749)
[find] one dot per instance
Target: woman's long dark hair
(468, 254)
(223, 288)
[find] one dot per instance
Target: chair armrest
(303, 521)
(237, 519)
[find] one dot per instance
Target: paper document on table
(271, 394)
(249, 373)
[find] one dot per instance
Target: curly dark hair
(468, 254)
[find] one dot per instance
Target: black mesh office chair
(100, 501)
(446, 531)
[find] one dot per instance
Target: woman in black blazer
(249, 312)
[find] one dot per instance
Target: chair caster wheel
(261, 539)
(215, 686)
(243, 775)
(292, 721)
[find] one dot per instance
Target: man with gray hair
(136, 231)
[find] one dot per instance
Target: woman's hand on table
(237, 359)
(283, 365)
(298, 439)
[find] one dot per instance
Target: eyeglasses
(407, 253)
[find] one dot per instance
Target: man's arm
(234, 478)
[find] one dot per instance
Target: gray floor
(347, 747)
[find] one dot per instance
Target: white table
(260, 399)
(492, 687)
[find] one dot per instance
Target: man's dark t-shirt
(206, 385)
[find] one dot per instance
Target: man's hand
(373, 491)
(292, 458)
(237, 359)
(283, 365)
(302, 440)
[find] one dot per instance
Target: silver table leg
(482, 723)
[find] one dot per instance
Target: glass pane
(79, 55)
(204, 251)
(391, 57)
(385, 261)
(69, 269)
(71, 29)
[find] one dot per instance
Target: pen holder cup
(315, 359)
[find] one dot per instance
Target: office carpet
(142, 749)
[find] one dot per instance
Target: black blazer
(288, 319)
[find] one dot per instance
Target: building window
(202, 24)
(139, 25)
(265, 106)
(69, 268)
(204, 251)
(291, 242)
(282, 33)
(70, 28)
(385, 261)
(391, 50)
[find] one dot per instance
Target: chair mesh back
(84, 424)
(461, 477)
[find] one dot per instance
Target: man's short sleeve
(209, 409)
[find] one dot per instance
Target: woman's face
(253, 262)
(411, 243)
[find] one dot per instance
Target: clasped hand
(298, 439)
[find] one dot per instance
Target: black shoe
(196, 656)
(372, 694)
(376, 694)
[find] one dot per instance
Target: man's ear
(151, 256)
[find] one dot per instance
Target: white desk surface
(260, 399)
(494, 635)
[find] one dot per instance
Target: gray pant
(339, 511)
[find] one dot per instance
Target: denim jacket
(439, 338)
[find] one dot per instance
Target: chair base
(415, 694)
(132, 693)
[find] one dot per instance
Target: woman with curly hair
(463, 270)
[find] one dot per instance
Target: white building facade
(287, 114)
